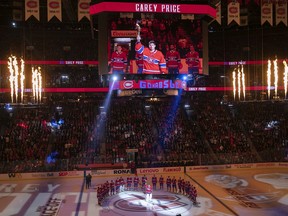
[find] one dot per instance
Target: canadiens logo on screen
(128, 84)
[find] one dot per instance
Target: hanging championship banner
(281, 12)
(218, 13)
(31, 9)
(233, 12)
(54, 8)
(267, 12)
(83, 9)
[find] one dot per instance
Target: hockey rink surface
(262, 191)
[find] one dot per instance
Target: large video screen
(180, 39)
(155, 39)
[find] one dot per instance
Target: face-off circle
(162, 203)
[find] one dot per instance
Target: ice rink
(261, 191)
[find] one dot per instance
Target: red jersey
(154, 179)
(148, 189)
(112, 185)
(118, 60)
(122, 182)
(153, 62)
(139, 60)
(144, 180)
(173, 59)
(136, 180)
(174, 182)
(118, 182)
(168, 181)
(179, 182)
(192, 59)
(194, 191)
(129, 180)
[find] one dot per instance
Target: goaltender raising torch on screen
(153, 60)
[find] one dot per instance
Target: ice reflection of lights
(275, 77)
(234, 83)
(37, 84)
(154, 206)
(160, 206)
(14, 78)
(285, 77)
(269, 78)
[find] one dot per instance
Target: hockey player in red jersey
(139, 62)
(112, 188)
(153, 60)
(129, 182)
(161, 182)
(118, 61)
(148, 191)
(154, 182)
(136, 183)
(144, 182)
(192, 61)
(173, 60)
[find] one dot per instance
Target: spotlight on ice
(184, 78)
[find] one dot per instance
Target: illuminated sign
(148, 84)
(123, 33)
(164, 8)
(152, 8)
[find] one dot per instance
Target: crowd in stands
(266, 126)
(127, 128)
(223, 132)
(24, 138)
(64, 134)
